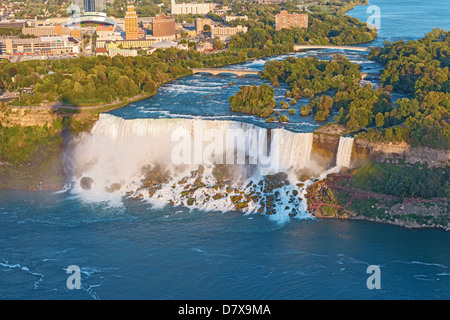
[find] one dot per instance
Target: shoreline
(405, 225)
(335, 198)
(120, 104)
(95, 110)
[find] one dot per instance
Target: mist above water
(194, 162)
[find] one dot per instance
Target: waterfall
(344, 152)
(125, 146)
(159, 160)
(295, 149)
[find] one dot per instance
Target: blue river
(137, 251)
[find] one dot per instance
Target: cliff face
(41, 167)
(39, 116)
(27, 117)
(325, 149)
(380, 152)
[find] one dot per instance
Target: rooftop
(164, 44)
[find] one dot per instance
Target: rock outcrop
(27, 117)
(380, 152)
(325, 147)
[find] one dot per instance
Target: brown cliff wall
(379, 152)
(325, 147)
(27, 117)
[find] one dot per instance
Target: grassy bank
(412, 196)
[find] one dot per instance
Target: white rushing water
(344, 153)
(108, 163)
(295, 149)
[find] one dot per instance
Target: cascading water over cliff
(344, 153)
(213, 165)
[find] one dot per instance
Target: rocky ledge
(326, 141)
(218, 188)
(333, 198)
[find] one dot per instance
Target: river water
(135, 250)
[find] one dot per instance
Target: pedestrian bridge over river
(243, 72)
(217, 71)
(314, 47)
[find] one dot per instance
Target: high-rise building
(284, 20)
(90, 5)
(200, 23)
(163, 26)
(131, 24)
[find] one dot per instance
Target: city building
(188, 32)
(131, 24)
(226, 32)
(193, 8)
(106, 28)
(231, 18)
(270, 1)
(101, 52)
(204, 46)
(130, 44)
(107, 36)
(16, 24)
(123, 52)
(57, 30)
(90, 5)
(91, 20)
(163, 26)
(285, 20)
(166, 45)
(160, 39)
(220, 10)
(40, 46)
(141, 33)
(200, 23)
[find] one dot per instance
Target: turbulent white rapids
(207, 164)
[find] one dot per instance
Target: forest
(323, 29)
(420, 69)
(399, 179)
(257, 100)
(307, 77)
(102, 80)
(92, 80)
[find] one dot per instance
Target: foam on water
(7, 265)
(108, 163)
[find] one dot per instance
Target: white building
(226, 32)
(39, 46)
(107, 36)
(193, 8)
(231, 18)
(123, 52)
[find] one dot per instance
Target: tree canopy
(257, 100)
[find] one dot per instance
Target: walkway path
(312, 47)
(217, 71)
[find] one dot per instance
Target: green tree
(379, 120)
(206, 28)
